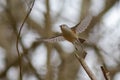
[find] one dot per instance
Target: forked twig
(105, 73)
(18, 36)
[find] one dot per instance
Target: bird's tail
(78, 44)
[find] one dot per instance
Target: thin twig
(105, 73)
(17, 41)
(86, 68)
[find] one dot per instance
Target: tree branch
(17, 41)
(86, 68)
(105, 73)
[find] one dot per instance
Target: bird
(70, 34)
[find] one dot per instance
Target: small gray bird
(70, 34)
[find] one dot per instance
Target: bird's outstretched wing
(80, 27)
(52, 39)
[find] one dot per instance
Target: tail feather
(78, 44)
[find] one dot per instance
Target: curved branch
(18, 36)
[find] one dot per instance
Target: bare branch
(105, 73)
(86, 68)
(17, 41)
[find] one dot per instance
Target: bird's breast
(69, 35)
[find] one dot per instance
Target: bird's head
(64, 27)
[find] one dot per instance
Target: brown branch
(17, 41)
(105, 73)
(86, 68)
(16, 62)
(32, 68)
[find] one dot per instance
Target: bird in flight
(70, 34)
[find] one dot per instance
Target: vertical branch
(18, 36)
(85, 7)
(48, 31)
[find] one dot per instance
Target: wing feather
(52, 39)
(80, 27)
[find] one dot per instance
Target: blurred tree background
(47, 61)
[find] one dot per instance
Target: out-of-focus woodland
(56, 61)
